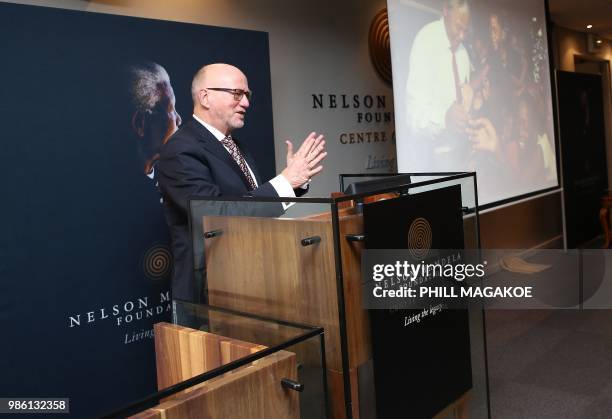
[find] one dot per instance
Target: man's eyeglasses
(238, 93)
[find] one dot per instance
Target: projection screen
(472, 92)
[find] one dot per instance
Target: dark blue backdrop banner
(84, 249)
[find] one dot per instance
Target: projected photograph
(472, 92)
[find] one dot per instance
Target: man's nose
(178, 119)
(244, 102)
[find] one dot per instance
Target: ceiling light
(599, 41)
(589, 26)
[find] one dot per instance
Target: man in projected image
(438, 94)
(204, 159)
(153, 115)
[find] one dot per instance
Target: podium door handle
(292, 385)
(310, 240)
(212, 233)
(355, 237)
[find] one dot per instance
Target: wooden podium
(304, 270)
(260, 266)
(252, 391)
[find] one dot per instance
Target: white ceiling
(576, 14)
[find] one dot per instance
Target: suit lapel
(214, 146)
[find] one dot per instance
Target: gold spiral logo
(380, 45)
(157, 262)
(419, 238)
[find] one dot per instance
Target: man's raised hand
(303, 165)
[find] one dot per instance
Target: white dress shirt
(431, 83)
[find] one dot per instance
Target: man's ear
(203, 98)
(138, 123)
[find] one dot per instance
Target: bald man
(203, 159)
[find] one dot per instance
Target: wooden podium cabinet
(252, 391)
(261, 266)
(307, 270)
(205, 368)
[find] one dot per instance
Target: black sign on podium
(419, 367)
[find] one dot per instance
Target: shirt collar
(214, 131)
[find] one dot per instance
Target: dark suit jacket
(193, 163)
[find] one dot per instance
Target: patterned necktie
(229, 143)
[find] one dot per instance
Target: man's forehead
(226, 74)
(166, 92)
(458, 9)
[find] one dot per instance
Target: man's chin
(238, 124)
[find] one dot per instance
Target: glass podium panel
(214, 362)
